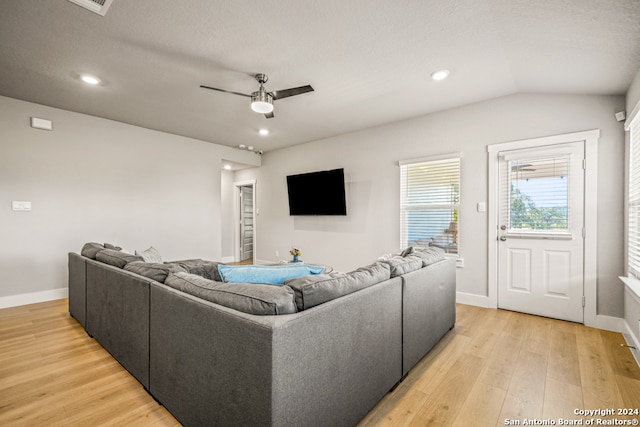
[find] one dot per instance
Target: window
(633, 236)
(430, 202)
(536, 194)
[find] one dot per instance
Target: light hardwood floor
(494, 365)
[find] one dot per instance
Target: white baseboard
(632, 341)
(608, 323)
(226, 259)
(33, 297)
(471, 299)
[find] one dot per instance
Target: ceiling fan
(261, 100)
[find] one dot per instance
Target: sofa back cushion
(399, 265)
(271, 274)
(317, 289)
(246, 297)
(116, 258)
(429, 255)
(90, 249)
(152, 270)
(206, 269)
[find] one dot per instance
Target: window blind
(535, 194)
(633, 236)
(429, 203)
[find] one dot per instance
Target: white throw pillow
(150, 255)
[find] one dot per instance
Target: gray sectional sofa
(318, 350)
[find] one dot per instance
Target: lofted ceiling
(369, 61)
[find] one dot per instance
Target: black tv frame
(317, 193)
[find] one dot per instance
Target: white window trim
(632, 282)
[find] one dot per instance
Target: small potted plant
(295, 253)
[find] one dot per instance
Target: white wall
(370, 158)
(92, 179)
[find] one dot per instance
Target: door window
(536, 195)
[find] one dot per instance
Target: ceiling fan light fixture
(261, 102)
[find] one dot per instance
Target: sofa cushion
(152, 270)
(150, 255)
(407, 251)
(246, 297)
(271, 274)
(429, 255)
(400, 265)
(206, 269)
(116, 258)
(317, 289)
(90, 249)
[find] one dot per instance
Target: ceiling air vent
(96, 6)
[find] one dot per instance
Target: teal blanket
(270, 274)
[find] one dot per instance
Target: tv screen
(317, 193)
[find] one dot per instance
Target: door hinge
(584, 233)
(584, 301)
(584, 164)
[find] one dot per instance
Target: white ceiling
(369, 61)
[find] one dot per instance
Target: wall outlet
(277, 254)
(460, 262)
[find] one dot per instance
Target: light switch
(482, 207)
(20, 205)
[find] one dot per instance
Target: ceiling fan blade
(269, 115)
(279, 94)
(226, 91)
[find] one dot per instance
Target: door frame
(236, 218)
(590, 140)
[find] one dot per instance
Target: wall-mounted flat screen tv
(317, 193)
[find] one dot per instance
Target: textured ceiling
(368, 60)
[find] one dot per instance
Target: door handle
(503, 238)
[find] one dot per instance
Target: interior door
(246, 223)
(541, 231)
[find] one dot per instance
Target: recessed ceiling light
(90, 79)
(264, 132)
(227, 167)
(440, 75)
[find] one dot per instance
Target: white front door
(541, 230)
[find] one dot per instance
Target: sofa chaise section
(329, 365)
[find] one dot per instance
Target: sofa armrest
(78, 288)
(118, 315)
(428, 310)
